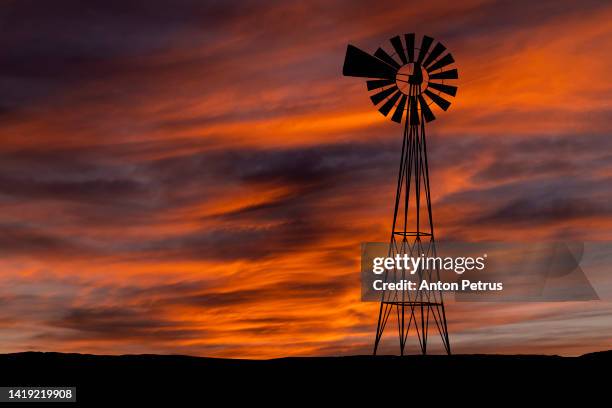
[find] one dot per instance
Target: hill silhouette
(102, 378)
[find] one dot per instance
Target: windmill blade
(435, 53)
(386, 108)
(447, 89)
(399, 111)
(452, 74)
(427, 113)
(358, 63)
(379, 97)
(425, 44)
(438, 100)
(379, 83)
(409, 38)
(414, 111)
(399, 48)
(382, 55)
(442, 62)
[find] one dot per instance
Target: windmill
(406, 81)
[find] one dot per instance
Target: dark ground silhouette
(296, 381)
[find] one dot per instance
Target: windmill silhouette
(408, 80)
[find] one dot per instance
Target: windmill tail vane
(405, 81)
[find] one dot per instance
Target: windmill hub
(411, 74)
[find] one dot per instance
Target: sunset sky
(196, 177)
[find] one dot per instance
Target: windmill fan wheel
(405, 79)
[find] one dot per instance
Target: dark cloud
(70, 39)
(23, 240)
(509, 168)
(82, 175)
(252, 243)
(52, 50)
(532, 203)
(319, 164)
(280, 291)
(118, 324)
(96, 190)
(493, 17)
(530, 212)
(559, 156)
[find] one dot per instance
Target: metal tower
(410, 79)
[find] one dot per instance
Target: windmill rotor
(406, 80)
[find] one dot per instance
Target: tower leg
(378, 329)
